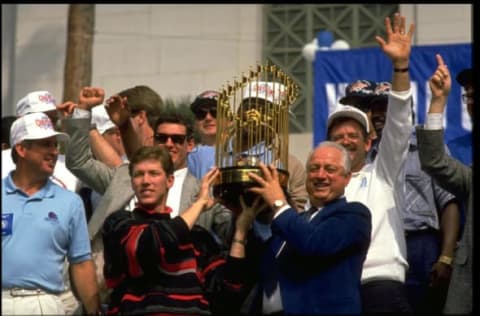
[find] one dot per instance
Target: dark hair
(175, 116)
(7, 122)
(158, 153)
(143, 98)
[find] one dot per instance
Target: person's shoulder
(60, 191)
(116, 219)
(358, 207)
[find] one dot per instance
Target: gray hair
(347, 162)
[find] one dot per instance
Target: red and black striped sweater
(155, 265)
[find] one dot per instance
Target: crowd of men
(125, 222)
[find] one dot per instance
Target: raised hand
(90, 97)
(66, 109)
(118, 109)
(441, 81)
(207, 182)
(399, 41)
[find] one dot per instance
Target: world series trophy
(252, 127)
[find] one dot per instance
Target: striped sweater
(155, 265)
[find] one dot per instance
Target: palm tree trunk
(78, 60)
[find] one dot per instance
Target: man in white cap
(41, 102)
(376, 184)
(42, 225)
(44, 102)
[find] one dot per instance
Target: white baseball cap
(101, 119)
(351, 112)
(37, 101)
(33, 126)
(273, 92)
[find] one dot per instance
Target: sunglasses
(163, 138)
(201, 113)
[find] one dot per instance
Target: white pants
(46, 304)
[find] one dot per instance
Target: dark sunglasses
(163, 138)
(201, 113)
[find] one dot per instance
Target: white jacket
(376, 184)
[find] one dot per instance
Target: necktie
(310, 212)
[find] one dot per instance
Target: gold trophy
(252, 127)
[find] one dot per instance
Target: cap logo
(44, 123)
(358, 86)
(46, 98)
(266, 90)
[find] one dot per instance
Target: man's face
(206, 120)
(349, 134)
(173, 137)
(114, 138)
(150, 183)
(40, 154)
(326, 177)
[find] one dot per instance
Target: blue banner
(334, 70)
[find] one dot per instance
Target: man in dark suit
(312, 264)
(455, 177)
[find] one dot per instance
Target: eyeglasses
(163, 138)
(466, 97)
(201, 113)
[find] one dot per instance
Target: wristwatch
(277, 204)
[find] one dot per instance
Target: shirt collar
(166, 211)
(47, 191)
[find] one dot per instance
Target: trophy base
(235, 182)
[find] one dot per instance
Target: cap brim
(348, 114)
(356, 100)
(61, 137)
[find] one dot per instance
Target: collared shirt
(38, 232)
(424, 198)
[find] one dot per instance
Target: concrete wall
(176, 49)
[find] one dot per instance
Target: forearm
(400, 79)
(79, 158)
(437, 105)
(450, 228)
(103, 151)
(239, 242)
(85, 283)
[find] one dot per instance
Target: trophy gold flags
(252, 127)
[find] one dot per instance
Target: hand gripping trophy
(252, 127)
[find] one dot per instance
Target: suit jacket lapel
(117, 195)
(189, 191)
